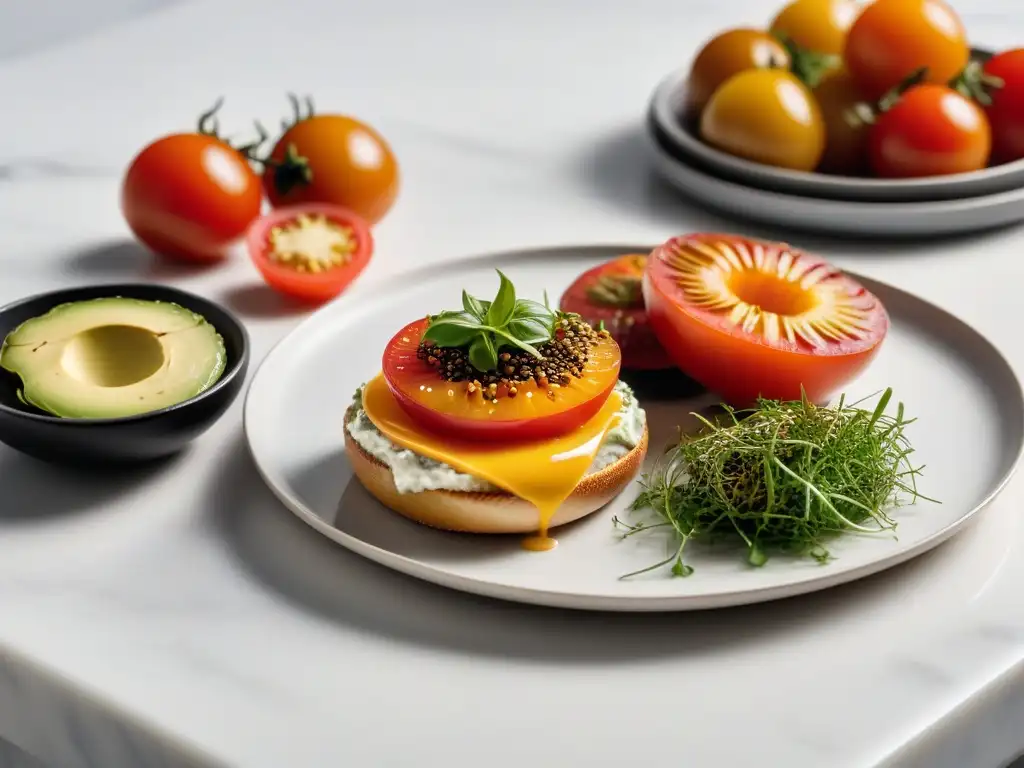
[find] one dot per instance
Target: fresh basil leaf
(482, 354)
(474, 306)
(500, 311)
(455, 330)
(528, 308)
(529, 329)
(523, 345)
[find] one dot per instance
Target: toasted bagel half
(490, 512)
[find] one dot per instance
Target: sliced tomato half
(312, 251)
(611, 294)
(536, 411)
(748, 318)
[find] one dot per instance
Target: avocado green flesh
(113, 357)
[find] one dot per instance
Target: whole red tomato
(332, 159)
(190, 196)
(891, 39)
(931, 131)
(1006, 112)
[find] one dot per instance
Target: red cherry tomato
(893, 38)
(311, 252)
(1006, 113)
(931, 131)
(611, 294)
(747, 318)
(533, 414)
(190, 196)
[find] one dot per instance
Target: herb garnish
(485, 327)
(784, 476)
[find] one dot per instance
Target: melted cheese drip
(544, 474)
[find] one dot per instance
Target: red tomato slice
(534, 412)
(747, 318)
(611, 294)
(311, 252)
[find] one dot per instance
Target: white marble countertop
(184, 618)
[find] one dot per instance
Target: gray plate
(679, 139)
(839, 217)
(969, 432)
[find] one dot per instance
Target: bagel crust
(490, 512)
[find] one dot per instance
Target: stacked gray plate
(939, 205)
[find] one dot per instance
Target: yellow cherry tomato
(846, 140)
(725, 55)
(817, 25)
(768, 116)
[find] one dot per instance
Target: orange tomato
(846, 142)
(727, 54)
(893, 38)
(748, 318)
(333, 159)
(533, 414)
(310, 252)
(931, 131)
(190, 196)
(768, 116)
(817, 25)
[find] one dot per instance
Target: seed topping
(563, 359)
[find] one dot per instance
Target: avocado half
(113, 357)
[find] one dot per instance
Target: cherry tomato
(310, 252)
(931, 131)
(533, 414)
(1006, 113)
(611, 294)
(817, 25)
(846, 142)
(728, 54)
(190, 196)
(768, 116)
(333, 159)
(748, 318)
(893, 38)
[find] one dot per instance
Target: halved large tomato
(610, 293)
(748, 318)
(311, 251)
(536, 410)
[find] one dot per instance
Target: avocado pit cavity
(113, 355)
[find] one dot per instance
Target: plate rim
(713, 161)
(585, 601)
(927, 219)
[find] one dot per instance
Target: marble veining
(183, 618)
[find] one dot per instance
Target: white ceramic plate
(838, 217)
(969, 433)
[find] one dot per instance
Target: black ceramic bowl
(131, 439)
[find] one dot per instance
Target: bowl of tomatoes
(884, 102)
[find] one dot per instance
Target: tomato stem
(976, 84)
(865, 113)
(894, 94)
(810, 67)
(209, 125)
